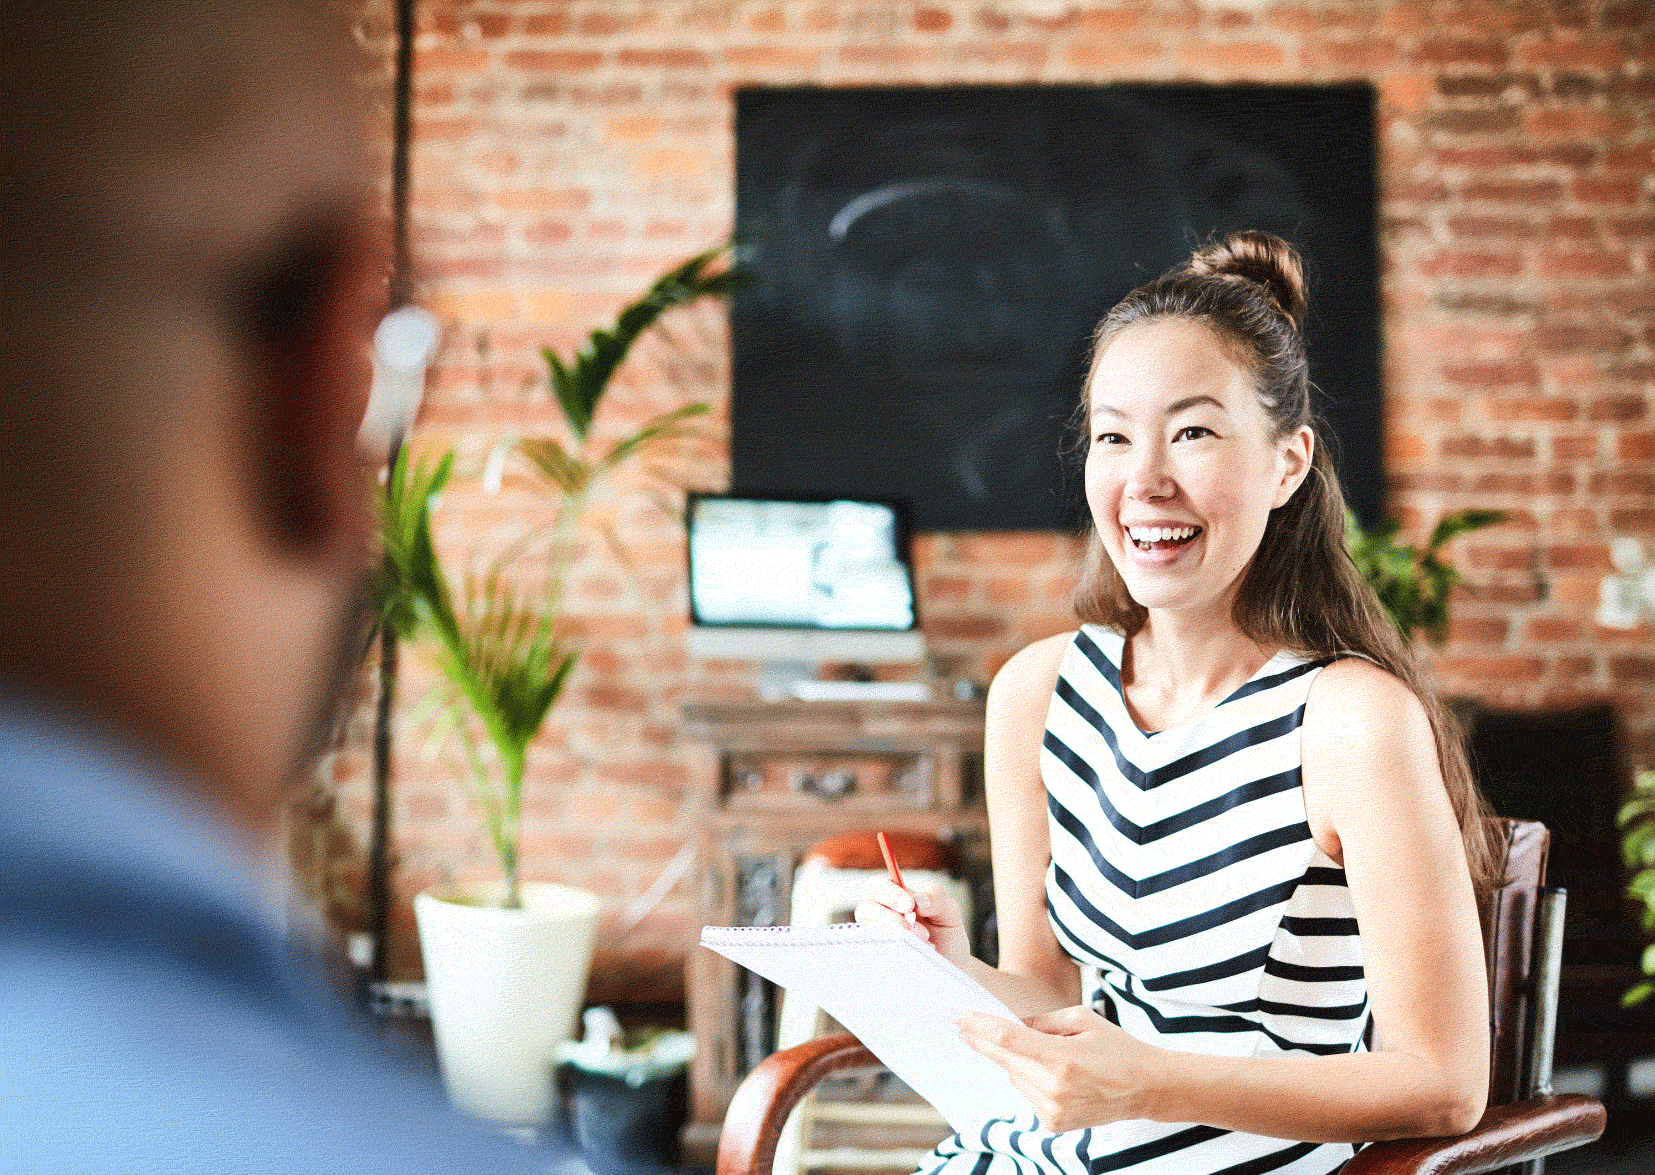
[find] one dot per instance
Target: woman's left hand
(1076, 1068)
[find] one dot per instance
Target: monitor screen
(793, 564)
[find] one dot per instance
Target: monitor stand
(781, 680)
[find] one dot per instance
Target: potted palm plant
(1413, 584)
(506, 966)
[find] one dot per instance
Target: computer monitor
(792, 581)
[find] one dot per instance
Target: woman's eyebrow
(1173, 409)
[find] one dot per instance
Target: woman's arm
(1034, 974)
(1369, 762)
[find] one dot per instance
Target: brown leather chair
(1525, 1121)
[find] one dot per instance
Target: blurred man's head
(189, 282)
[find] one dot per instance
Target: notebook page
(896, 994)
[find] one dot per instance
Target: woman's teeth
(1147, 537)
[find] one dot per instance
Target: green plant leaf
(557, 465)
(1461, 521)
(1634, 808)
(1638, 849)
(1642, 886)
(667, 426)
(1637, 994)
(580, 385)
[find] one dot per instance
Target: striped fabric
(1185, 882)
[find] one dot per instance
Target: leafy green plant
(497, 648)
(1637, 816)
(496, 638)
(1413, 584)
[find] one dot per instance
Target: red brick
(1232, 57)
(1497, 121)
(1457, 263)
(1585, 263)
(1478, 630)
(1579, 557)
(546, 24)
(1575, 448)
(663, 58)
(1488, 85)
(1491, 226)
(1609, 191)
(1623, 482)
(767, 58)
(1493, 668)
(1553, 629)
(944, 587)
(1636, 446)
(965, 627)
(1500, 448)
(1574, 668)
(1632, 668)
(1633, 227)
(1487, 52)
(554, 62)
(1625, 408)
(1427, 191)
(1552, 409)
(1634, 157)
(933, 20)
(1515, 155)
(1501, 305)
(1633, 519)
(1515, 192)
(1555, 482)
(1499, 558)
(1585, 124)
(1405, 451)
(1513, 374)
(1007, 590)
(1558, 337)
(1572, 54)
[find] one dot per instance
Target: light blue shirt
(153, 1019)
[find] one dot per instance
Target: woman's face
(1182, 472)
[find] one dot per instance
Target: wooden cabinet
(770, 780)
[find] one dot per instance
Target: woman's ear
(1293, 463)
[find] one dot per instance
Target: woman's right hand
(928, 910)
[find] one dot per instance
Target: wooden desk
(769, 780)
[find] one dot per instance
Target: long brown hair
(1301, 591)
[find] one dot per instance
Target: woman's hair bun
(1258, 257)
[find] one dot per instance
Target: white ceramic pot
(505, 987)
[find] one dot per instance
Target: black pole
(379, 846)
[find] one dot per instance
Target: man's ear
(1296, 453)
(312, 311)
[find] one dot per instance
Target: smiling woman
(1240, 946)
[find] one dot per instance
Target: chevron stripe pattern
(1185, 882)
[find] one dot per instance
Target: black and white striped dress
(1185, 882)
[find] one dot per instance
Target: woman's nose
(1149, 480)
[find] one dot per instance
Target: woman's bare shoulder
(1354, 688)
(1024, 684)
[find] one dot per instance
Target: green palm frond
(579, 385)
(409, 584)
(668, 426)
(1413, 585)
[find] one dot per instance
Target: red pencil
(890, 859)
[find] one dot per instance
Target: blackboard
(930, 264)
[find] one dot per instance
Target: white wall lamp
(1628, 597)
(404, 343)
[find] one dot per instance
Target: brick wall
(566, 152)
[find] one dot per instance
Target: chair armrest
(1507, 1134)
(764, 1099)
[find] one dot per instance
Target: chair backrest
(1509, 948)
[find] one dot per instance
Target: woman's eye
(1111, 438)
(1192, 432)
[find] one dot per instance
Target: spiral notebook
(896, 994)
